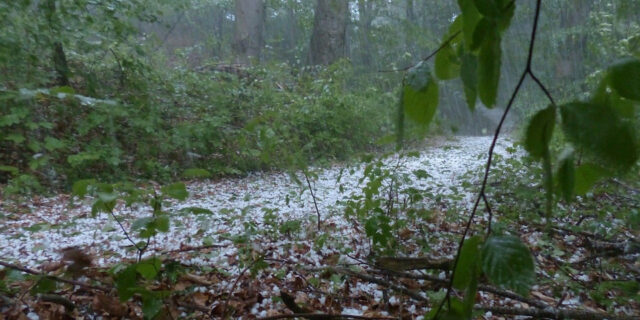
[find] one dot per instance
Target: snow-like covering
(237, 205)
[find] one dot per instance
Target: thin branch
(542, 87)
(323, 316)
(315, 203)
(554, 313)
(481, 287)
(481, 194)
(126, 234)
(486, 204)
(235, 283)
(58, 299)
(122, 76)
(413, 294)
(190, 248)
(425, 59)
(54, 278)
(166, 36)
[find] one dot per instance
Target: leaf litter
(239, 260)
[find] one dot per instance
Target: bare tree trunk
(249, 37)
(364, 8)
(59, 57)
(570, 62)
(329, 31)
(292, 34)
(409, 24)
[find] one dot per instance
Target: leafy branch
(482, 193)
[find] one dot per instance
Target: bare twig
(54, 278)
(488, 207)
(413, 294)
(442, 46)
(323, 316)
(481, 287)
(408, 263)
(313, 196)
(126, 234)
(196, 248)
(481, 194)
(554, 313)
(626, 186)
(58, 299)
(235, 283)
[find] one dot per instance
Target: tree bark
(249, 30)
(329, 31)
(365, 17)
(59, 57)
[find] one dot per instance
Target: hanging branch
(427, 58)
(482, 193)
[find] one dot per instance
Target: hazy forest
(320, 159)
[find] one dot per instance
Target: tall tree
(329, 31)
(365, 18)
(249, 37)
(59, 57)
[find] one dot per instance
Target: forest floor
(256, 244)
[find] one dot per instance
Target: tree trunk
(59, 57)
(364, 8)
(292, 34)
(329, 31)
(249, 38)
(570, 62)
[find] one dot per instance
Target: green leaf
(151, 306)
(101, 206)
(15, 138)
(468, 265)
(196, 173)
(176, 190)
(420, 96)
(447, 64)
(469, 76)
(489, 67)
(45, 285)
(598, 130)
(470, 18)
(65, 89)
(107, 197)
(539, 132)
(586, 176)
(196, 210)
(419, 77)
(456, 311)
(52, 144)
(141, 223)
(500, 11)
(508, 263)
(147, 270)
(566, 176)
(162, 223)
(625, 78)
(483, 30)
(487, 7)
(79, 188)
(11, 169)
(126, 282)
(79, 158)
